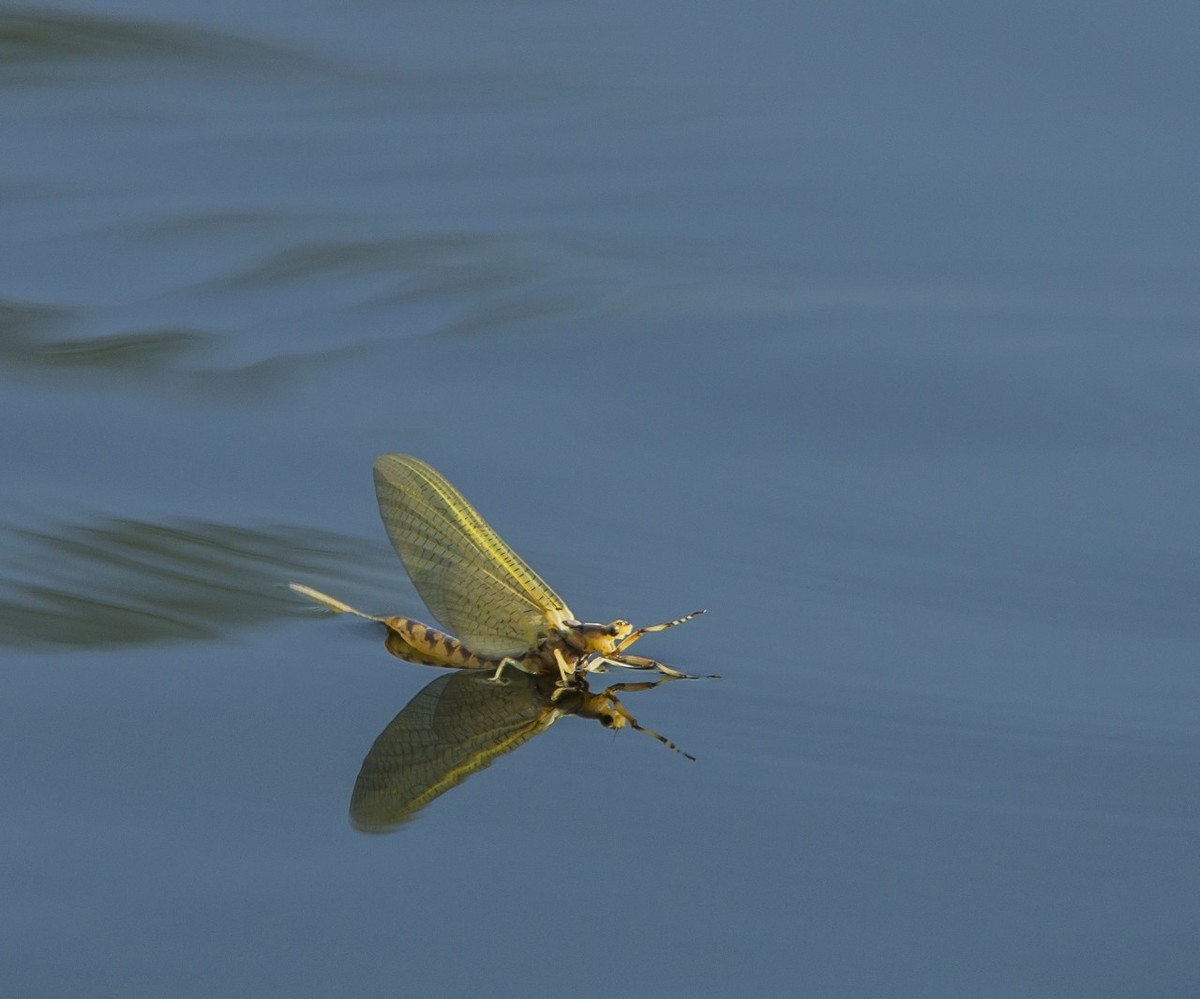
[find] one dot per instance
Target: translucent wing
(473, 583)
(456, 726)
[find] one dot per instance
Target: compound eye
(605, 720)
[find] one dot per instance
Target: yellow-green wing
(456, 726)
(477, 587)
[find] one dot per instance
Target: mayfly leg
(633, 723)
(498, 676)
(641, 662)
(625, 688)
(634, 636)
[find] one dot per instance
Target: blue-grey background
(873, 328)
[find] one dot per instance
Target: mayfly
(497, 610)
(460, 724)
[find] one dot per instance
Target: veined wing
(456, 726)
(476, 587)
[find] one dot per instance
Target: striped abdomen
(416, 642)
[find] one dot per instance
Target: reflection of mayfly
(500, 611)
(458, 725)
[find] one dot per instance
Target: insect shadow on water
(458, 725)
(500, 612)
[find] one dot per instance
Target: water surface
(871, 330)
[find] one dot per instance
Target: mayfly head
(605, 709)
(611, 713)
(601, 639)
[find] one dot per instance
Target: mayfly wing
(456, 726)
(473, 583)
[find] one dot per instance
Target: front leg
(625, 688)
(641, 662)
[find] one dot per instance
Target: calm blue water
(875, 330)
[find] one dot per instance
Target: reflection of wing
(473, 583)
(455, 726)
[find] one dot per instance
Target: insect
(497, 611)
(460, 724)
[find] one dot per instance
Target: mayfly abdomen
(398, 647)
(409, 639)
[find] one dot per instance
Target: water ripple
(114, 581)
(33, 40)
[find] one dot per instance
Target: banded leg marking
(634, 636)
